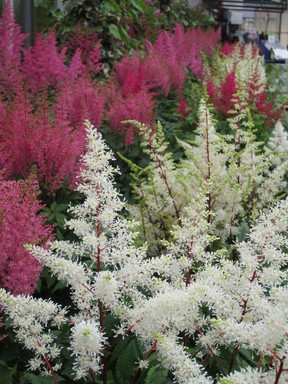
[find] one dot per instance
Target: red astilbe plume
(19, 225)
(183, 107)
(11, 40)
(267, 109)
(38, 138)
(227, 48)
(225, 99)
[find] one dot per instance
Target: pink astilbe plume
(129, 74)
(80, 101)
(20, 224)
(38, 138)
(160, 72)
(163, 65)
(137, 106)
(168, 59)
(11, 40)
(85, 41)
(44, 65)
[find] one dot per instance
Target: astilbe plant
(240, 179)
(11, 51)
(43, 106)
(44, 65)
(19, 224)
(163, 69)
(208, 318)
(133, 99)
(241, 67)
(38, 138)
(85, 41)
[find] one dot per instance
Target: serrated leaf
(60, 218)
(157, 375)
(127, 361)
(120, 346)
(112, 4)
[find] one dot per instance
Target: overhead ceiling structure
(276, 6)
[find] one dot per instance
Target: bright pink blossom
(11, 40)
(38, 137)
(137, 106)
(129, 74)
(44, 65)
(19, 225)
(87, 43)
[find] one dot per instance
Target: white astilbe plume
(278, 142)
(87, 343)
(207, 167)
(241, 311)
(233, 170)
(34, 321)
(105, 240)
(249, 376)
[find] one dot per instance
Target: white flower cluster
(33, 322)
(87, 343)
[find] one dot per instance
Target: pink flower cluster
(44, 106)
(162, 69)
(20, 224)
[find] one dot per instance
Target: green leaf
(112, 5)
(120, 346)
(123, 33)
(59, 286)
(140, 5)
(7, 373)
(127, 361)
(157, 375)
(114, 30)
(30, 378)
(59, 234)
(243, 231)
(53, 206)
(60, 218)
(61, 207)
